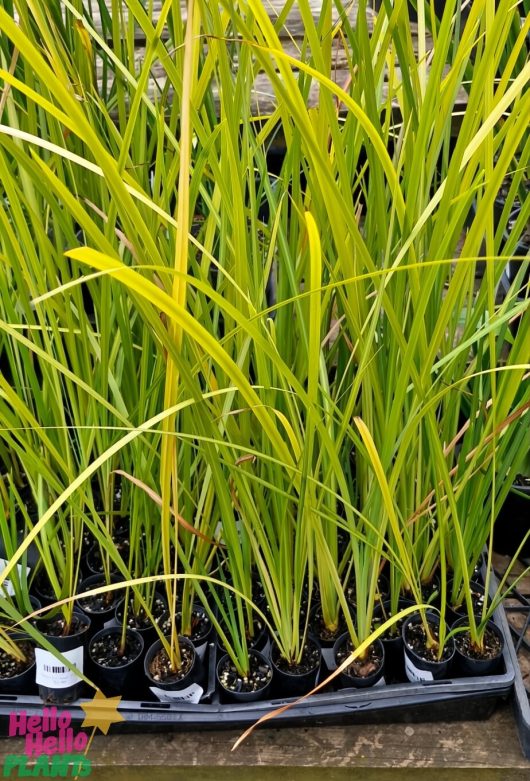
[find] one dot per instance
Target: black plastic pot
(200, 639)
(192, 676)
(383, 590)
(260, 642)
(147, 631)
(346, 678)
(454, 613)
(418, 668)
(325, 639)
(92, 562)
(98, 617)
(469, 666)
(513, 522)
(121, 679)
(23, 681)
(294, 684)
(52, 676)
(392, 643)
(264, 668)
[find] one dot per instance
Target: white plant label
(329, 658)
(51, 672)
(201, 651)
(192, 694)
(414, 674)
(7, 585)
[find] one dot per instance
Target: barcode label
(56, 670)
(53, 674)
(190, 695)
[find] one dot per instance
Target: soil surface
(9, 666)
(95, 561)
(260, 674)
(200, 625)
(140, 619)
(416, 640)
(491, 649)
(106, 650)
(477, 599)
(322, 632)
(160, 666)
(361, 668)
(309, 661)
(57, 627)
(99, 603)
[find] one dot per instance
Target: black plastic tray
(520, 603)
(447, 700)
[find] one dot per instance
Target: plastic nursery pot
(473, 662)
(430, 592)
(512, 522)
(201, 629)
(255, 686)
(160, 676)
(42, 591)
(140, 622)
(18, 677)
(93, 563)
(258, 642)
(392, 640)
(362, 673)
(58, 685)
(116, 670)
(383, 590)
(325, 637)
(100, 608)
(295, 680)
(454, 612)
(421, 663)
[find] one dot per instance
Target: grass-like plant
(372, 401)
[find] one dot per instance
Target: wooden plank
(293, 26)
(373, 750)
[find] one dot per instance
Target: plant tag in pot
(7, 585)
(192, 694)
(414, 674)
(329, 658)
(52, 673)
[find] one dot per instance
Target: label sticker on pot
(191, 695)
(414, 674)
(329, 658)
(51, 672)
(7, 585)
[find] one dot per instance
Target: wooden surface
(440, 751)
(263, 100)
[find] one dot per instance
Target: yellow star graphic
(101, 712)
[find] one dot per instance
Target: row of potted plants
(169, 424)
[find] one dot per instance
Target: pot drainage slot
(8, 697)
(157, 705)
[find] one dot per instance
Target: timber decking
(437, 752)
(291, 33)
